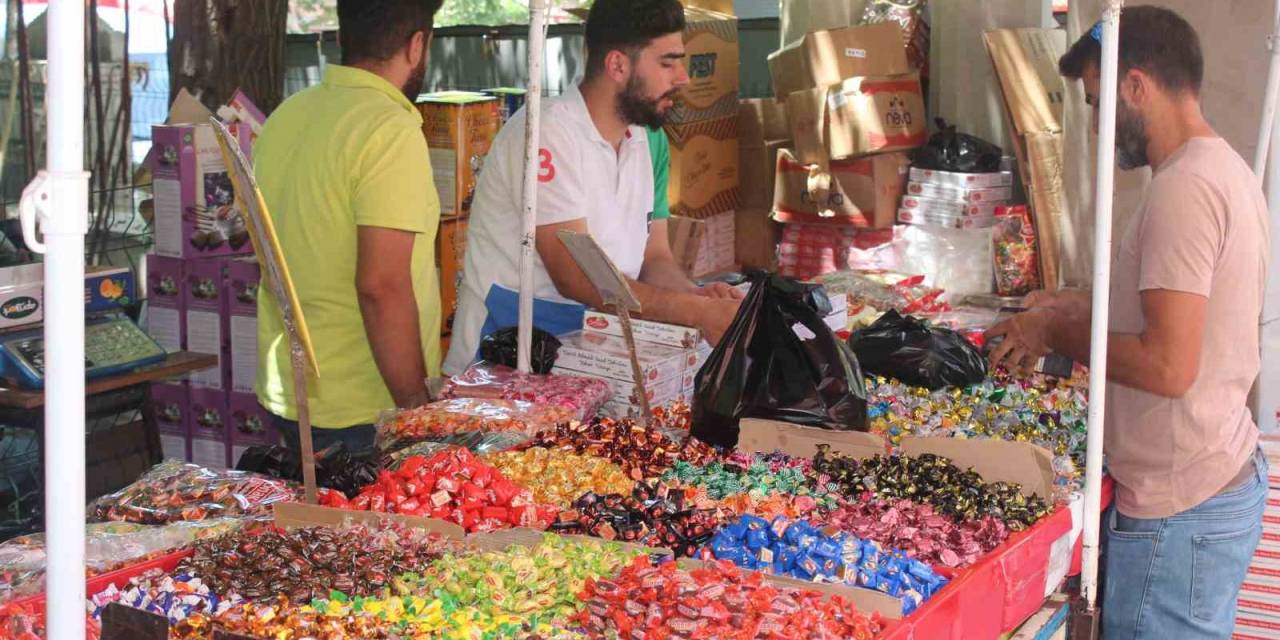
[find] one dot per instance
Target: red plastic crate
(119, 577)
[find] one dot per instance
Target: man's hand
(720, 290)
(716, 314)
(1072, 301)
(1025, 339)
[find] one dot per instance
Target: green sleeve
(660, 151)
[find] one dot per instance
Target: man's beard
(1131, 138)
(413, 86)
(635, 108)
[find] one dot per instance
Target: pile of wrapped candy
(800, 550)
(649, 534)
(451, 485)
(582, 396)
(468, 415)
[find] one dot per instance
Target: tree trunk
(219, 46)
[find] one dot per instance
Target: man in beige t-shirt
(1186, 296)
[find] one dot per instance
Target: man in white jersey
(595, 175)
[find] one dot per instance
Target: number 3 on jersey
(546, 168)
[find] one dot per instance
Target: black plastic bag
(949, 150)
(501, 346)
(779, 361)
(336, 468)
(918, 354)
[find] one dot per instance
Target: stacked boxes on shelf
(669, 356)
(702, 129)
(459, 127)
(1258, 605)
(956, 200)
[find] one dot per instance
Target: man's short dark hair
(1153, 39)
(374, 30)
(628, 26)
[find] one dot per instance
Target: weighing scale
(113, 345)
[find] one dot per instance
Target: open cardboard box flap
(767, 436)
(866, 600)
(995, 460)
(296, 514)
(500, 540)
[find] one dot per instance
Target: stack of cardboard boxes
(956, 200)
(853, 105)
(201, 286)
(669, 357)
(460, 127)
(703, 132)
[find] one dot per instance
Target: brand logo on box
(598, 323)
(19, 308)
(702, 65)
(897, 116)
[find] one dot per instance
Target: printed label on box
(649, 331)
(204, 335)
(605, 356)
(164, 325)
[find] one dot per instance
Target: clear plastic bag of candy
(1017, 265)
(583, 396)
(108, 546)
(466, 415)
(174, 491)
(479, 443)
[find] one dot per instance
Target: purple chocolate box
(195, 211)
(210, 428)
(206, 315)
(242, 324)
(166, 302)
(169, 409)
(251, 425)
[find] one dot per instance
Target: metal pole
(532, 166)
(1101, 297)
(1269, 98)
(1266, 408)
(59, 198)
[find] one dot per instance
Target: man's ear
(417, 49)
(1135, 88)
(617, 65)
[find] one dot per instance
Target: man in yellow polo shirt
(345, 172)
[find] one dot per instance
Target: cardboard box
(601, 356)
(195, 211)
(960, 194)
(659, 393)
(250, 424)
(909, 216)
(671, 335)
(210, 428)
(950, 207)
(451, 245)
(823, 58)
(798, 17)
(1026, 63)
(962, 180)
(856, 117)
(206, 311)
(704, 167)
(290, 515)
(168, 408)
(703, 247)
(240, 290)
(857, 193)
(106, 289)
(756, 239)
(21, 295)
(460, 127)
(762, 131)
(166, 280)
(711, 48)
(510, 100)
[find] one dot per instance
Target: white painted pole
(1266, 409)
(1101, 298)
(59, 199)
(532, 165)
(1269, 98)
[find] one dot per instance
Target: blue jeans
(354, 439)
(1177, 578)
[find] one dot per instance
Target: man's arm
(1163, 360)
(384, 284)
(712, 316)
(660, 268)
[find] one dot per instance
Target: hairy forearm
(1131, 362)
(391, 324)
(656, 303)
(664, 273)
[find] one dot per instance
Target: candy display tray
(119, 578)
